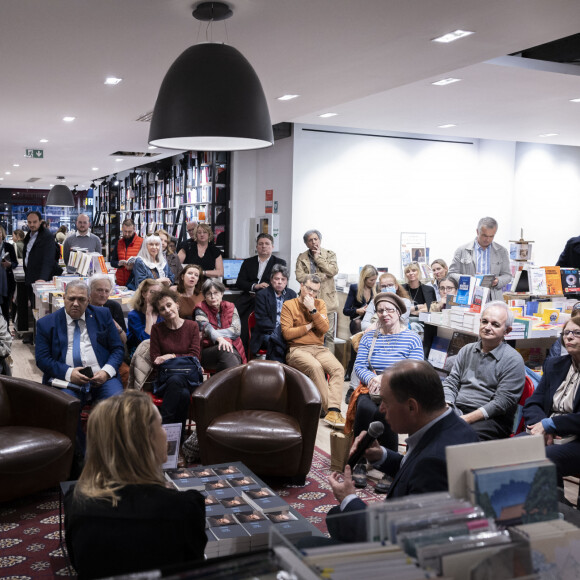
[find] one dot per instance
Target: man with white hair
(484, 256)
(487, 379)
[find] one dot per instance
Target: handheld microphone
(376, 429)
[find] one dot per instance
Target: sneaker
(335, 419)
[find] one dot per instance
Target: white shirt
(79, 235)
(88, 356)
(29, 246)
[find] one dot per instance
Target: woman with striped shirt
(391, 342)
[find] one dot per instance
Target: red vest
(226, 317)
(124, 253)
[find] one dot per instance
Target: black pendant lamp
(60, 195)
(211, 99)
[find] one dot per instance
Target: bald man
(82, 239)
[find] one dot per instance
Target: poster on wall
(269, 200)
(414, 248)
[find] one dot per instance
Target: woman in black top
(420, 294)
(7, 282)
(201, 250)
(120, 516)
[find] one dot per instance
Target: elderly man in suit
(254, 277)
(484, 256)
(80, 345)
(269, 304)
(413, 403)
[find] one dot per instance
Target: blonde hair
(138, 300)
(413, 266)
(120, 451)
(366, 272)
(165, 233)
(207, 229)
(400, 292)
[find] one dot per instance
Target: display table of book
(241, 509)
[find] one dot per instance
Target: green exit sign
(35, 153)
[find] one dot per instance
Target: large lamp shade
(60, 195)
(211, 100)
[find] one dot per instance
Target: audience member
(41, 254)
(201, 250)
(390, 343)
(150, 263)
(412, 402)
(487, 378)
(570, 256)
(190, 227)
(125, 252)
(80, 344)
(440, 270)
(7, 282)
(60, 235)
(269, 304)
(168, 253)
(254, 276)
(484, 256)
(18, 241)
(359, 297)
(448, 286)
(304, 322)
(5, 347)
(188, 287)
(387, 283)
(219, 323)
(172, 338)
(141, 318)
(82, 238)
(322, 262)
(553, 410)
(421, 295)
(121, 517)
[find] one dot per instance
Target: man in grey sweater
(487, 379)
(82, 238)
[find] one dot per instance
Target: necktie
(77, 360)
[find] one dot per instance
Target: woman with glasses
(553, 410)
(387, 283)
(220, 328)
(448, 286)
(151, 263)
(389, 343)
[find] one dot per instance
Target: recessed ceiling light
(444, 82)
(151, 147)
(118, 159)
(287, 97)
(7, 173)
(68, 119)
(16, 165)
(451, 36)
(575, 100)
(2, 179)
(51, 185)
(548, 135)
(44, 140)
(112, 81)
(326, 115)
(447, 126)
(95, 168)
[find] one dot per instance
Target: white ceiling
(370, 61)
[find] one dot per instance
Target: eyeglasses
(212, 294)
(386, 310)
(311, 290)
(576, 333)
(446, 288)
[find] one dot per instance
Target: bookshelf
(193, 186)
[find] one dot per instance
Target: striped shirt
(389, 349)
(481, 258)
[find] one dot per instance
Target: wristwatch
(313, 311)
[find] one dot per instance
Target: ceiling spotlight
(326, 115)
(16, 165)
(444, 82)
(112, 81)
(44, 140)
(287, 97)
(95, 168)
(118, 159)
(451, 36)
(548, 135)
(151, 147)
(447, 126)
(68, 119)
(575, 100)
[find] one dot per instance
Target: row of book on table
(87, 263)
(546, 280)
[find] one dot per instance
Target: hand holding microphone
(376, 429)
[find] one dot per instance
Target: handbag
(340, 444)
(187, 366)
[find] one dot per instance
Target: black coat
(248, 275)
(570, 256)
(43, 258)
(11, 257)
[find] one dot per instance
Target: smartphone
(87, 371)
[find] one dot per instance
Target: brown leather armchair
(264, 414)
(37, 435)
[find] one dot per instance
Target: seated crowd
(192, 324)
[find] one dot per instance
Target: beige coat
(141, 367)
(326, 270)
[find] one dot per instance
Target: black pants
(366, 413)
(176, 396)
(214, 358)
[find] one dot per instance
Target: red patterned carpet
(29, 527)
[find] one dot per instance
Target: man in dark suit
(413, 403)
(254, 277)
(267, 311)
(570, 256)
(40, 253)
(80, 345)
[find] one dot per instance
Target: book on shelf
(537, 277)
(465, 290)
(480, 296)
(521, 281)
(458, 341)
(570, 282)
(553, 280)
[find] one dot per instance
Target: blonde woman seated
(448, 286)
(150, 263)
(121, 517)
(201, 250)
(169, 253)
(440, 270)
(421, 294)
(188, 287)
(391, 342)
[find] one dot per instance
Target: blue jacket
(265, 313)
(424, 471)
(52, 342)
(141, 271)
(539, 404)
